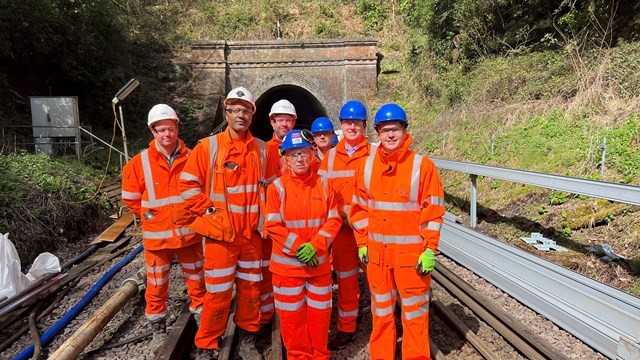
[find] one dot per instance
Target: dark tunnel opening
(308, 108)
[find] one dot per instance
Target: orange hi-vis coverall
(301, 210)
(150, 186)
(397, 212)
(339, 169)
(227, 174)
(266, 288)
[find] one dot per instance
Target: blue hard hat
(321, 124)
(335, 139)
(293, 140)
(353, 110)
(389, 112)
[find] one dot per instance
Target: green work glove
(313, 262)
(426, 262)
(363, 255)
(306, 252)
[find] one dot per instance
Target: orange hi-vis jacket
(339, 169)
(150, 186)
(228, 175)
(300, 210)
(273, 152)
(402, 209)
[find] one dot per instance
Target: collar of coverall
(398, 154)
(302, 179)
(275, 139)
(228, 139)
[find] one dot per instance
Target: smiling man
(396, 183)
(222, 183)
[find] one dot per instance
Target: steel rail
(602, 316)
(628, 194)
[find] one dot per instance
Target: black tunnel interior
(307, 106)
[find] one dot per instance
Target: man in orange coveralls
(222, 183)
(397, 210)
(302, 219)
(338, 167)
(150, 190)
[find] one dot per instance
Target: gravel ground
(130, 321)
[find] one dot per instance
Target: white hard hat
(161, 112)
(241, 93)
(283, 107)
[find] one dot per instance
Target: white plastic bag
(12, 280)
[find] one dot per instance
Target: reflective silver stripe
(162, 202)
(265, 263)
(289, 306)
(263, 153)
(368, 167)
(358, 200)
(270, 180)
(434, 200)
(266, 308)
(392, 206)
(158, 269)
(191, 276)
(291, 238)
(319, 304)
(220, 272)
(341, 174)
(382, 311)
(189, 193)
(325, 234)
(242, 189)
(415, 178)
(213, 154)
(148, 177)
(331, 160)
(239, 209)
(249, 264)
(414, 299)
(384, 297)
(294, 261)
(333, 213)
(320, 290)
(219, 287)
(218, 197)
(361, 224)
(266, 297)
(157, 234)
(344, 314)
(315, 222)
(158, 281)
(192, 266)
(396, 239)
(248, 277)
(289, 291)
(280, 188)
(156, 317)
(346, 274)
(346, 209)
(184, 231)
(295, 224)
(190, 177)
(431, 225)
(131, 195)
(322, 173)
(410, 315)
(273, 217)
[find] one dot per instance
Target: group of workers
(275, 218)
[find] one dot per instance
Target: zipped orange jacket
(300, 211)
(402, 209)
(150, 186)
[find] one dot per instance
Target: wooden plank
(180, 338)
(227, 339)
(114, 231)
(276, 340)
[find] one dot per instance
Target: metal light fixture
(121, 95)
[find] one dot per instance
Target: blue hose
(46, 338)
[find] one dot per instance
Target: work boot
(159, 334)
(247, 345)
(206, 354)
(340, 340)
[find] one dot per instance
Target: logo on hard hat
(240, 93)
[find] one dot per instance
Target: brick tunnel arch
(308, 98)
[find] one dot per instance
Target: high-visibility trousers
(385, 284)
(304, 308)
(345, 262)
(266, 287)
(158, 269)
(226, 263)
